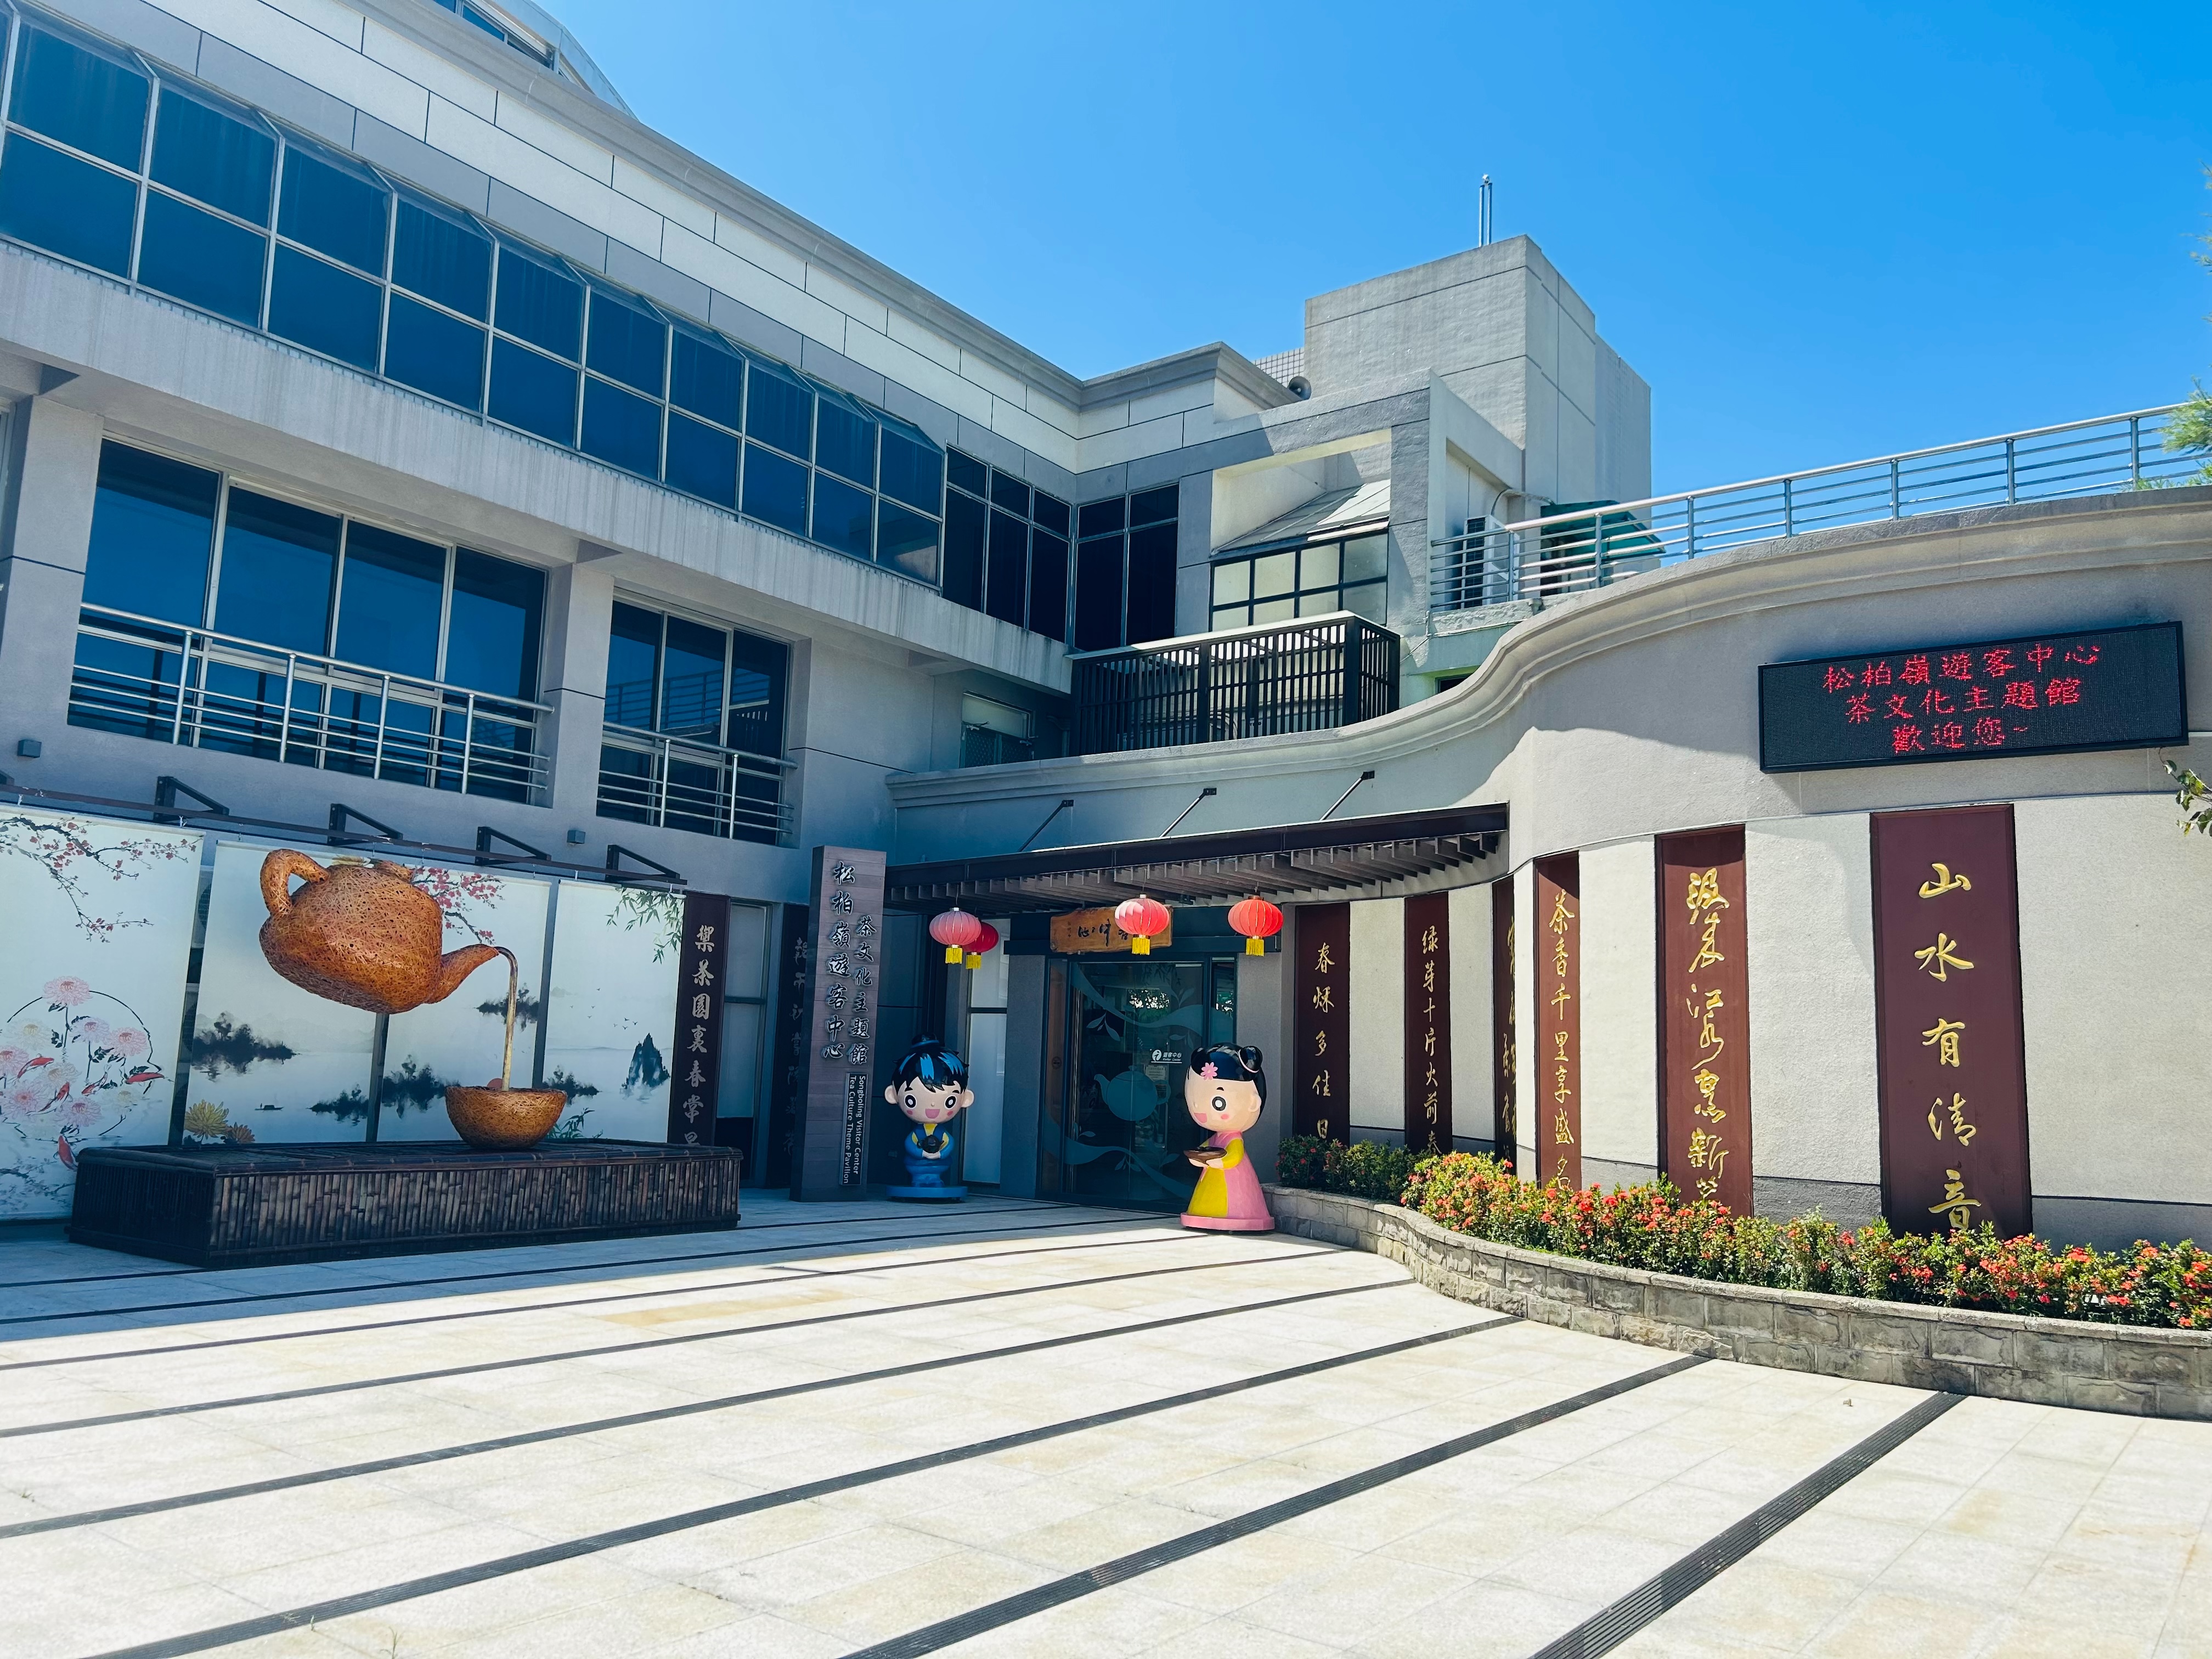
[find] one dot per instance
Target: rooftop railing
(1567, 552)
(190, 686)
(681, 783)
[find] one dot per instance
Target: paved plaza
(1011, 1428)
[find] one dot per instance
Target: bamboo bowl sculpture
(496, 1118)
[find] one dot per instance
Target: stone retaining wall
(2054, 1362)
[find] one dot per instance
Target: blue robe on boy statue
(930, 1089)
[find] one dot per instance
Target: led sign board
(2042, 694)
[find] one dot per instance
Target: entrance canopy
(1307, 859)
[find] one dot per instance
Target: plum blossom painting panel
(267, 1060)
(97, 918)
(460, 1039)
(611, 1031)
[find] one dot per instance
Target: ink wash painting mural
(99, 930)
(611, 1034)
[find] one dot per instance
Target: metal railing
(153, 679)
(1304, 676)
(1568, 551)
(680, 783)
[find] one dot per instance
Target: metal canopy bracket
(342, 836)
(166, 789)
(528, 854)
(654, 867)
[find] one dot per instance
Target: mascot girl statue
(931, 1088)
(1225, 1089)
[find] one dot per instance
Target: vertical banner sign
(1504, 1079)
(1322, 1022)
(1559, 1126)
(1947, 1021)
(787, 1100)
(844, 970)
(1704, 1018)
(1428, 1022)
(702, 951)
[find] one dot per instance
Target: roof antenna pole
(1483, 228)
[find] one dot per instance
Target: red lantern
(1140, 918)
(956, 930)
(1258, 921)
(982, 945)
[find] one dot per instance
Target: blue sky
(1819, 233)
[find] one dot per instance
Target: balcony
(1260, 682)
(190, 686)
(678, 783)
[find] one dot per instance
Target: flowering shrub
(1652, 1227)
(1366, 1169)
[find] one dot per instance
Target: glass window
(906, 541)
(1047, 584)
(844, 518)
(633, 666)
(1050, 512)
(703, 461)
(845, 441)
(1232, 582)
(779, 410)
(913, 473)
(277, 561)
(82, 99)
(153, 528)
(1272, 610)
(1006, 593)
(775, 489)
(622, 427)
(1098, 594)
(533, 392)
(435, 353)
(334, 212)
(1368, 598)
(538, 304)
(391, 590)
(965, 527)
(190, 255)
(627, 344)
(213, 156)
(1151, 583)
(691, 680)
(708, 380)
(758, 669)
(1011, 493)
(1153, 506)
(67, 206)
(968, 472)
(316, 305)
(497, 619)
(442, 256)
(1101, 518)
(1367, 559)
(1318, 566)
(1274, 573)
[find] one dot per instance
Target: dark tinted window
(1152, 584)
(317, 306)
(913, 473)
(334, 212)
(1101, 518)
(152, 529)
(702, 460)
(1050, 512)
(844, 518)
(277, 562)
(779, 410)
(441, 258)
(758, 669)
(188, 254)
(628, 344)
(79, 98)
(533, 392)
(435, 353)
(213, 156)
(539, 304)
(966, 525)
(691, 680)
(70, 207)
(775, 489)
(967, 472)
(1048, 585)
(498, 616)
(1006, 594)
(622, 427)
(1011, 493)
(844, 441)
(1098, 594)
(1153, 506)
(633, 666)
(906, 541)
(707, 380)
(390, 595)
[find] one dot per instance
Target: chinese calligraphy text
(841, 999)
(1704, 1029)
(1504, 1116)
(1428, 1022)
(1557, 1063)
(695, 1069)
(1320, 1021)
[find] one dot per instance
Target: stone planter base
(2049, 1362)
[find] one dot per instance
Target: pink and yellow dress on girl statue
(1225, 1091)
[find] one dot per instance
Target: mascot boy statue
(931, 1088)
(1225, 1091)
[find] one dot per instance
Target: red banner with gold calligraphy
(1949, 1023)
(1428, 1022)
(1557, 924)
(1503, 1107)
(1704, 1018)
(1320, 1022)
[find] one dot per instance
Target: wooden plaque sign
(1320, 1022)
(1504, 1079)
(697, 1070)
(1948, 1028)
(1080, 933)
(1559, 1057)
(1428, 1022)
(844, 970)
(1704, 1018)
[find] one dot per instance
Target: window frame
(730, 632)
(1300, 590)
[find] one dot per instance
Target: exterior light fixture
(1258, 921)
(956, 930)
(1140, 918)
